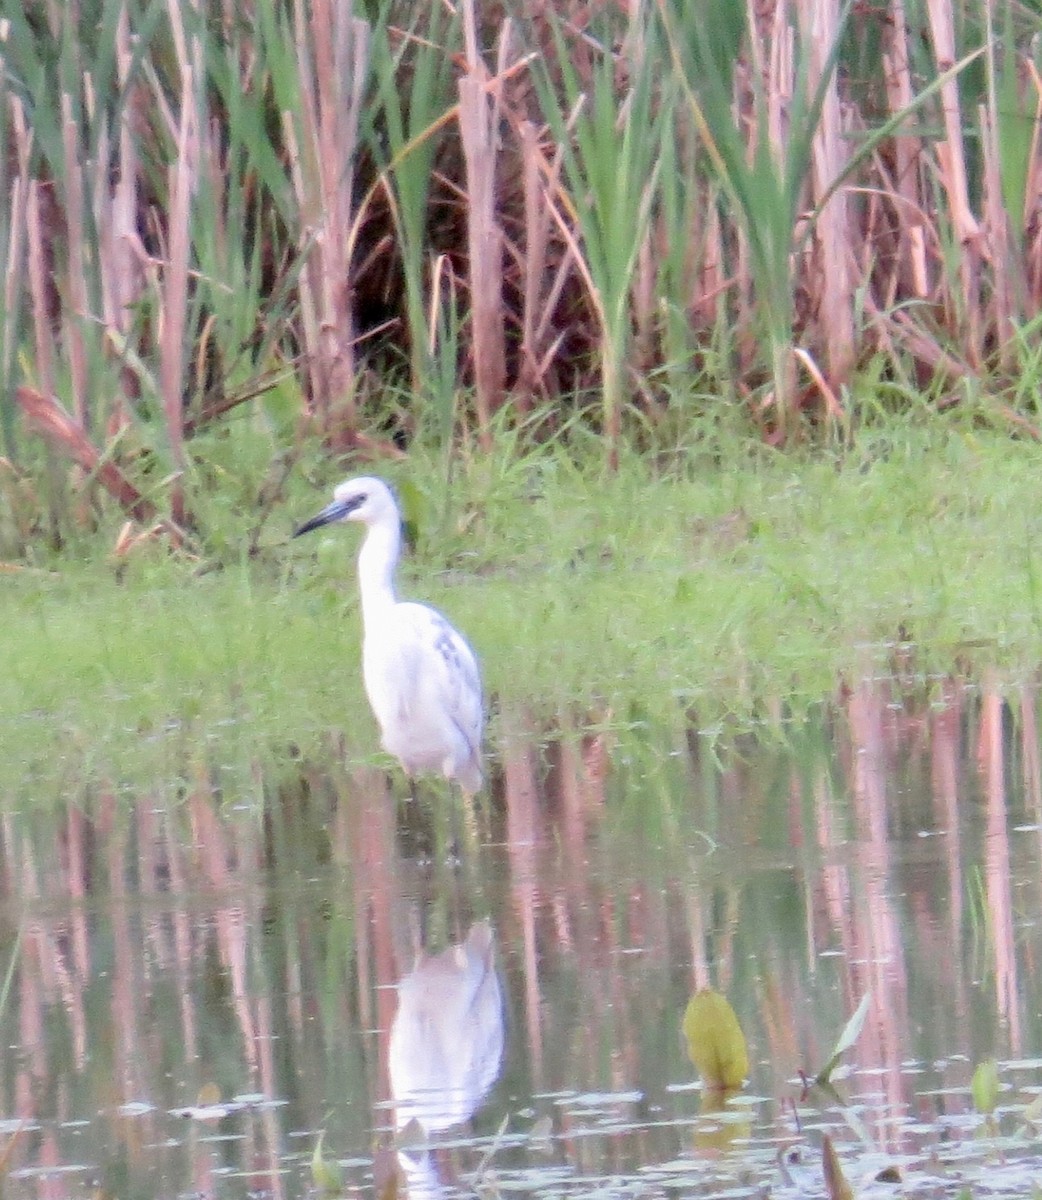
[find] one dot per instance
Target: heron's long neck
(376, 562)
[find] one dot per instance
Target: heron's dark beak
(314, 523)
(332, 512)
(336, 511)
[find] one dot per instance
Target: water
(198, 984)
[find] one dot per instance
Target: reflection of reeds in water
(167, 945)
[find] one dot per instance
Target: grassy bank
(242, 242)
(607, 597)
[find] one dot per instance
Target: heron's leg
(415, 832)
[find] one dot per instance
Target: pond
(202, 985)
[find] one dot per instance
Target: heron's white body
(420, 675)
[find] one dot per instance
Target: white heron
(420, 674)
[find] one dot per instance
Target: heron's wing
(439, 655)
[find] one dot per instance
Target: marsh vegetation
(616, 227)
(705, 326)
(700, 341)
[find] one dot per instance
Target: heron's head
(364, 499)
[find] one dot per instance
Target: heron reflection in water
(446, 1044)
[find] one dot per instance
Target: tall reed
(413, 69)
(323, 130)
(479, 118)
(762, 156)
(609, 144)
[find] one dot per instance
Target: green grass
(710, 590)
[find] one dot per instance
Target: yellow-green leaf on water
(326, 1173)
(984, 1088)
(1032, 1115)
(836, 1186)
(720, 1124)
(846, 1039)
(715, 1042)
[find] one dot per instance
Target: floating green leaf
(327, 1175)
(1032, 1115)
(846, 1039)
(715, 1042)
(984, 1087)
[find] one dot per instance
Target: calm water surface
(198, 983)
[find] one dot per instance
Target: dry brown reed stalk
(39, 278)
(120, 253)
(131, 538)
(923, 346)
(710, 281)
(75, 311)
(542, 282)
(644, 294)
(442, 281)
(28, 207)
(333, 63)
(479, 119)
(1005, 272)
(15, 271)
(833, 230)
(952, 164)
(893, 227)
(769, 27)
(63, 431)
(1003, 227)
(910, 251)
(1033, 200)
(182, 180)
(824, 386)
